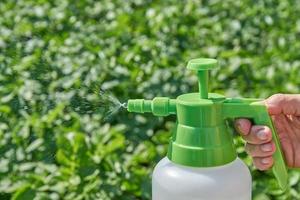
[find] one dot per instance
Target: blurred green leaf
(24, 193)
(56, 141)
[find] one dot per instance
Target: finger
(258, 135)
(288, 104)
(260, 150)
(243, 126)
(264, 163)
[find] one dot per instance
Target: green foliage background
(54, 55)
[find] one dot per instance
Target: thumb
(288, 104)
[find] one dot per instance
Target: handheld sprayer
(202, 138)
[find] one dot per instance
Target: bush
(55, 56)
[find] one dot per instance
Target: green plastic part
(202, 65)
(159, 106)
(202, 137)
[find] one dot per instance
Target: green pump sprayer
(201, 150)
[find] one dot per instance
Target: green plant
(54, 143)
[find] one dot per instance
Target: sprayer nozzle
(159, 106)
(139, 105)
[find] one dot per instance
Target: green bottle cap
(202, 138)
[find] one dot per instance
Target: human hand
(285, 112)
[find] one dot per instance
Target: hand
(285, 112)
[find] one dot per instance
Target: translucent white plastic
(176, 182)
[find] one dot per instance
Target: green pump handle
(200, 139)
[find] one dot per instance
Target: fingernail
(266, 147)
(238, 127)
(265, 161)
(262, 135)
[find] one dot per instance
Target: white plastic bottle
(171, 181)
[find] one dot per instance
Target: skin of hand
(285, 112)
